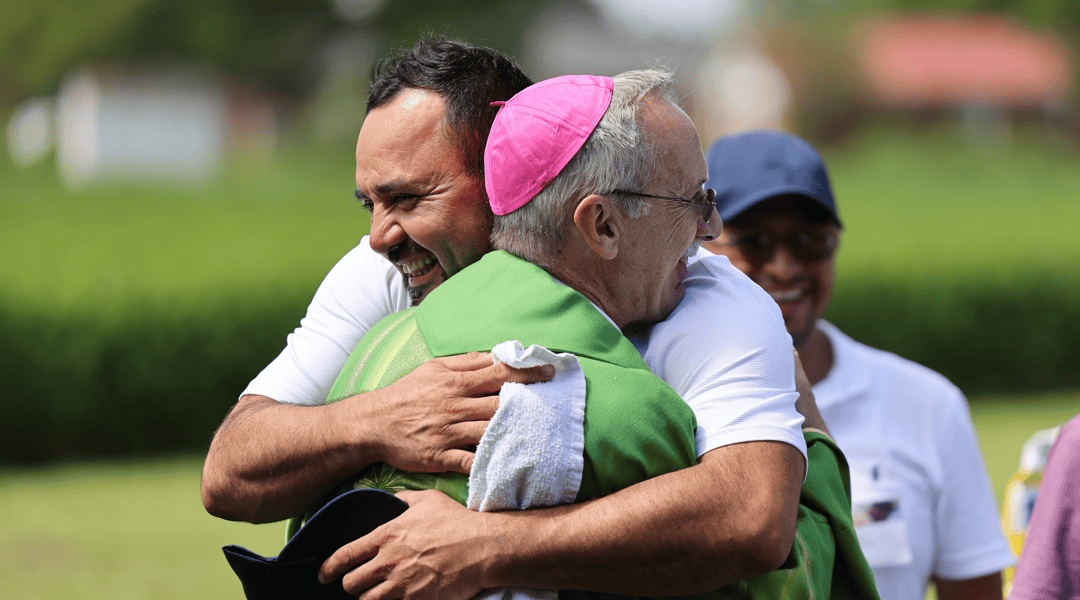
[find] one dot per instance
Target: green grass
(137, 529)
(118, 530)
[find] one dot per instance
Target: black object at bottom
(294, 572)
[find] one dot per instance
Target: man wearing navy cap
(922, 502)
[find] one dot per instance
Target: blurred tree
(40, 41)
(499, 24)
(272, 42)
(269, 42)
(275, 43)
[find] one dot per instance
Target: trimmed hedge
(159, 380)
(986, 336)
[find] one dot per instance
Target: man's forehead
(411, 116)
(677, 147)
(404, 142)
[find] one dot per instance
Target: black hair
(468, 78)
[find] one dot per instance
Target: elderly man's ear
(600, 224)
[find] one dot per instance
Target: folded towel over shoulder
(532, 452)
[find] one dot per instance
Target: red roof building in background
(924, 61)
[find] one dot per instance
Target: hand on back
(432, 417)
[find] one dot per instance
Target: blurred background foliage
(275, 43)
(134, 308)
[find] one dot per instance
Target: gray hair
(616, 156)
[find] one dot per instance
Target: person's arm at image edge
(728, 518)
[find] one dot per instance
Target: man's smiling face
(429, 214)
(786, 244)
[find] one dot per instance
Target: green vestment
(636, 427)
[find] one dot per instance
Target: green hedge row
(986, 336)
(155, 381)
(158, 381)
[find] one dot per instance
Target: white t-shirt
(748, 401)
(361, 289)
(922, 501)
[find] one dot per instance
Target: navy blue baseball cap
(747, 168)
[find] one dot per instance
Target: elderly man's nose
(708, 232)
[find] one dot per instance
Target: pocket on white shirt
(877, 509)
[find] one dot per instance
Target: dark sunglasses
(805, 246)
(707, 203)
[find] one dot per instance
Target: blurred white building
(153, 127)
(726, 84)
(167, 125)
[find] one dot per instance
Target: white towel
(532, 452)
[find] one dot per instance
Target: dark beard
(414, 295)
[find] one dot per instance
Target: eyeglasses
(805, 246)
(707, 204)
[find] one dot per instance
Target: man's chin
(419, 292)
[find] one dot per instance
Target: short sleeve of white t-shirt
(969, 535)
(726, 352)
(361, 289)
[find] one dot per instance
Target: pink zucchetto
(537, 132)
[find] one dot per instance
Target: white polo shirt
(922, 500)
(742, 389)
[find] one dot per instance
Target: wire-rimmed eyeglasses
(707, 203)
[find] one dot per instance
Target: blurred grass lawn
(98, 251)
(137, 529)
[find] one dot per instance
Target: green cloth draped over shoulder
(636, 427)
